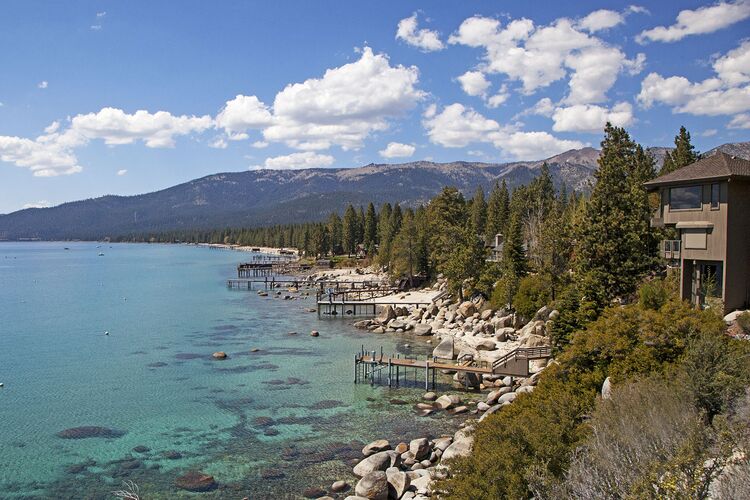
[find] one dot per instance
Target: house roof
(717, 166)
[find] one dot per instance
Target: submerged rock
(195, 481)
(90, 431)
(219, 355)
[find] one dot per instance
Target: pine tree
(370, 229)
(360, 225)
(514, 265)
(385, 234)
(335, 231)
(497, 211)
(555, 246)
(350, 230)
(610, 258)
(478, 212)
(405, 252)
(683, 154)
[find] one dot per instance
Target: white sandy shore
(239, 248)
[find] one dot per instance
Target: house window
(683, 198)
(715, 192)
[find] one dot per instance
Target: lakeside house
(708, 205)
(495, 249)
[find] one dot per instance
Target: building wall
(737, 268)
(716, 237)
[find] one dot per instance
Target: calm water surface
(266, 424)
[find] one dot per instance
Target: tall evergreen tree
(370, 229)
(683, 154)
(514, 265)
(350, 230)
(478, 212)
(609, 253)
(405, 251)
(497, 210)
(361, 225)
(336, 233)
(385, 234)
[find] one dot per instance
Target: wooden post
(426, 373)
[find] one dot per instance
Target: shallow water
(265, 424)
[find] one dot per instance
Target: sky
(112, 97)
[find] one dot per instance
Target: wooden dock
(364, 302)
(369, 366)
(270, 282)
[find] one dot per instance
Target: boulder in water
(89, 431)
(195, 481)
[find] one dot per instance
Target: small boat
(66, 248)
(101, 254)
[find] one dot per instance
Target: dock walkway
(369, 365)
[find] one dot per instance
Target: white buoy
(2, 385)
(106, 332)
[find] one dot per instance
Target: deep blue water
(167, 309)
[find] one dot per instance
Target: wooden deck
(369, 366)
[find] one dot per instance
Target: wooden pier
(371, 366)
(364, 302)
(270, 282)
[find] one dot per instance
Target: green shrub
(743, 320)
(532, 294)
(538, 428)
(653, 295)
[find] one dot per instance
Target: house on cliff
(708, 203)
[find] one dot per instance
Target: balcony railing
(671, 249)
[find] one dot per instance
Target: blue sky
(112, 97)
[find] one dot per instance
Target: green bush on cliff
(537, 434)
(533, 293)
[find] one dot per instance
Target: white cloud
(101, 14)
(122, 172)
(397, 150)
(458, 126)
(46, 156)
(734, 67)
(538, 56)
(43, 84)
(345, 106)
(740, 121)
(726, 94)
(424, 39)
(156, 130)
(259, 144)
(53, 153)
(96, 27)
(602, 19)
(703, 20)
(591, 118)
(543, 107)
(306, 159)
(52, 127)
(218, 143)
(709, 132)
(37, 204)
(498, 99)
(241, 114)
(474, 83)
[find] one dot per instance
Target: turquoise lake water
(265, 424)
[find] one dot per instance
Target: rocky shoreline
(468, 330)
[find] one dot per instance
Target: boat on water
(101, 254)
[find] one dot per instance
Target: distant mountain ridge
(263, 197)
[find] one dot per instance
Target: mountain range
(264, 197)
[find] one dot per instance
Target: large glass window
(687, 197)
(715, 192)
